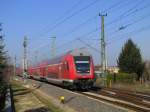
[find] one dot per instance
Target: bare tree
(146, 73)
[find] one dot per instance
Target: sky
(75, 24)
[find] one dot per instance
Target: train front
(83, 70)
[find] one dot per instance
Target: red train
(75, 69)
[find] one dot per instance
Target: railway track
(118, 102)
(141, 95)
(135, 101)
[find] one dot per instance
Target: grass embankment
(124, 81)
(20, 92)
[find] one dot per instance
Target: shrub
(121, 78)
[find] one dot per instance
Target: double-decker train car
(75, 69)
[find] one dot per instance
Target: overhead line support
(103, 44)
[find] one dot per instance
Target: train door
(60, 70)
(66, 69)
(44, 72)
(41, 72)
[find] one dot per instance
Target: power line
(125, 26)
(131, 33)
(113, 21)
(112, 6)
(134, 21)
(88, 45)
(73, 14)
(73, 7)
(79, 26)
(88, 20)
(70, 16)
(130, 24)
(95, 30)
(126, 14)
(66, 12)
(70, 10)
(123, 36)
(106, 24)
(140, 30)
(71, 41)
(82, 36)
(88, 33)
(131, 8)
(92, 31)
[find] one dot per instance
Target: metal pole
(15, 66)
(36, 57)
(25, 59)
(53, 47)
(103, 45)
(25, 53)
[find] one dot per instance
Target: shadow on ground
(71, 98)
(39, 85)
(40, 109)
(20, 92)
(17, 90)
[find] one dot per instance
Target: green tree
(3, 58)
(130, 59)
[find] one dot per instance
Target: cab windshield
(82, 64)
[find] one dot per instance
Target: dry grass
(145, 87)
(28, 100)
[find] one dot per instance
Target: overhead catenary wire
(70, 16)
(82, 24)
(69, 10)
(130, 33)
(95, 31)
(88, 45)
(126, 14)
(115, 20)
(90, 32)
(75, 5)
(82, 36)
(134, 7)
(63, 15)
(129, 24)
(123, 35)
(76, 28)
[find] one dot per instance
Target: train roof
(79, 52)
(57, 59)
(75, 52)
